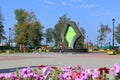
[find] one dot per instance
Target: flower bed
(62, 73)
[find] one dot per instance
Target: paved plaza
(88, 60)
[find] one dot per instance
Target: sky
(89, 13)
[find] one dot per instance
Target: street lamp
(97, 41)
(87, 42)
(113, 20)
(9, 36)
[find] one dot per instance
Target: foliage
(49, 36)
(103, 31)
(2, 32)
(90, 44)
(117, 33)
(117, 51)
(62, 73)
(27, 29)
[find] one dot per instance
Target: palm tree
(104, 29)
(117, 33)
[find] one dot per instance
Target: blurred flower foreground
(63, 73)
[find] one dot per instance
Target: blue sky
(89, 13)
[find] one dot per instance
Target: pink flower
(84, 75)
(61, 77)
(80, 67)
(115, 69)
(2, 76)
(67, 76)
(95, 74)
(67, 69)
(75, 75)
(26, 72)
(10, 75)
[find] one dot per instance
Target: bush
(117, 51)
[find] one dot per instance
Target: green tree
(2, 32)
(103, 31)
(27, 29)
(58, 29)
(117, 33)
(49, 36)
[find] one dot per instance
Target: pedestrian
(61, 49)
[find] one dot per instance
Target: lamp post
(113, 20)
(9, 36)
(97, 41)
(87, 42)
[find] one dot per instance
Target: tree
(103, 31)
(58, 29)
(27, 29)
(49, 36)
(2, 32)
(117, 33)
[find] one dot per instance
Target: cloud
(90, 6)
(67, 4)
(49, 2)
(75, 1)
(102, 13)
(78, 4)
(84, 6)
(64, 3)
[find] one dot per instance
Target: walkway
(87, 60)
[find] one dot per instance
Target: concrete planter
(90, 50)
(111, 52)
(7, 51)
(102, 50)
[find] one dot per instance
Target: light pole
(87, 42)
(113, 20)
(9, 36)
(97, 41)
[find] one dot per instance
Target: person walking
(61, 49)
